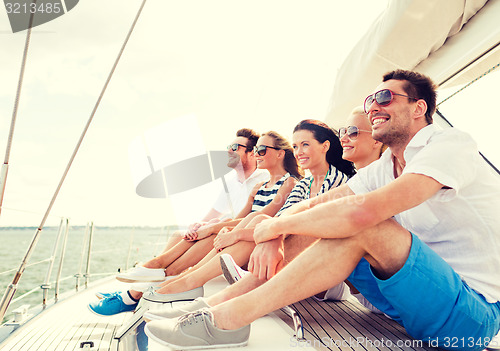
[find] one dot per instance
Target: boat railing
(82, 276)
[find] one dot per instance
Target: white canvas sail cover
(438, 38)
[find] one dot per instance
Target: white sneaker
(153, 296)
(142, 275)
(232, 272)
(143, 287)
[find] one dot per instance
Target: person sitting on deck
(266, 197)
(359, 147)
(316, 148)
(416, 232)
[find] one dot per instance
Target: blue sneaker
(102, 295)
(110, 306)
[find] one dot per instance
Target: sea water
(113, 249)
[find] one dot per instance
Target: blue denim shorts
(430, 300)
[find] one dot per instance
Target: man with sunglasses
(243, 161)
(416, 232)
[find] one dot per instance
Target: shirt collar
(418, 141)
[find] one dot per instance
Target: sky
(227, 64)
(212, 66)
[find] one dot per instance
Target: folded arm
(334, 216)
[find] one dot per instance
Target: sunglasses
(351, 131)
(234, 147)
(262, 149)
(383, 97)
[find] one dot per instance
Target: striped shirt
(302, 190)
(264, 195)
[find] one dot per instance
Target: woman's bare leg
(193, 257)
(169, 256)
(174, 239)
(241, 253)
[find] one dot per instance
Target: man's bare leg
(246, 284)
(325, 264)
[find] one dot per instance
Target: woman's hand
(225, 238)
(200, 233)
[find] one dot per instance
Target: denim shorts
(430, 300)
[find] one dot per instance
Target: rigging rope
(458, 91)
(5, 166)
(470, 83)
(75, 151)
(13, 286)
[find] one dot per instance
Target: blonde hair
(360, 111)
(289, 162)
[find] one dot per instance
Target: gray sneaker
(195, 330)
(175, 312)
(189, 295)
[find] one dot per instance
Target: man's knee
(386, 246)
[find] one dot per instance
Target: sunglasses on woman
(234, 147)
(351, 131)
(383, 97)
(262, 149)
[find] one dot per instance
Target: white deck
(68, 323)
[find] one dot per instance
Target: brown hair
(251, 135)
(417, 86)
(322, 132)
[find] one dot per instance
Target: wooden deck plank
(67, 329)
(345, 321)
(51, 336)
(66, 324)
(361, 325)
(379, 324)
(326, 326)
(347, 325)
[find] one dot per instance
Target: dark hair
(418, 86)
(289, 162)
(322, 133)
(251, 135)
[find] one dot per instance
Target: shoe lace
(199, 316)
(112, 298)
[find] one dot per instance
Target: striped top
(264, 195)
(302, 190)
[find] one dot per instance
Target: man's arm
(345, 216)
(334, 193)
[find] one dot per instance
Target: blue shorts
(430, 300)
